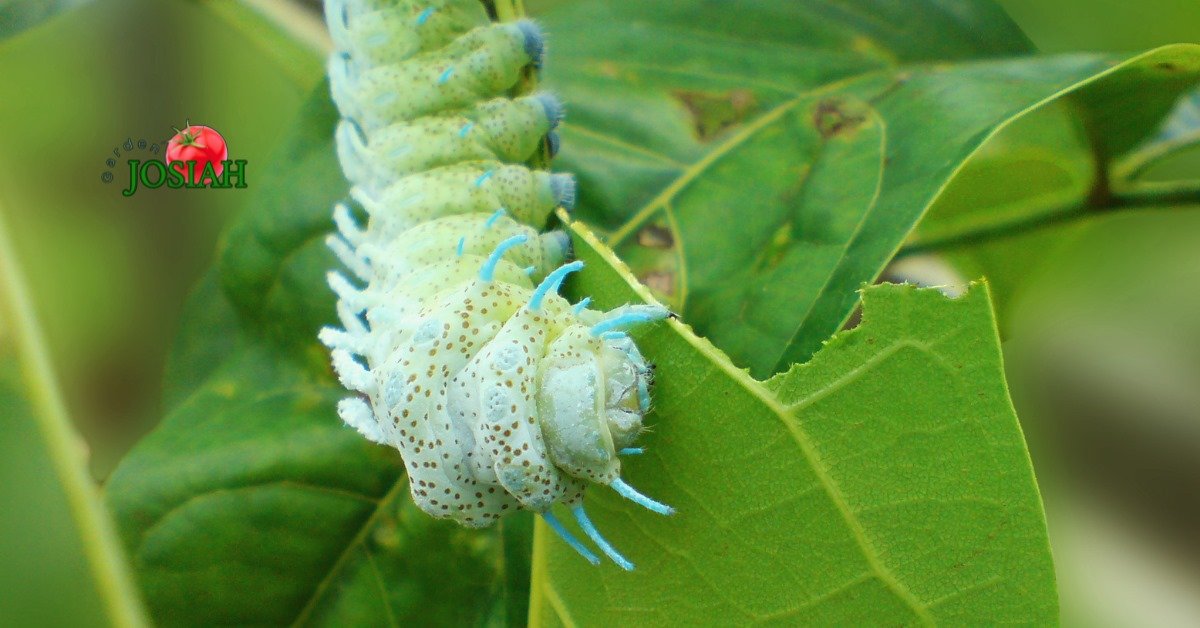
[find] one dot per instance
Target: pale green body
(498, 396)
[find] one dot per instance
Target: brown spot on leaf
(656, 237)
(659, 281)
(833, 117)
(712, 113)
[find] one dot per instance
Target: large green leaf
(814, 135)
(1179, 131)
(884, 482)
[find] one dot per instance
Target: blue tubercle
(631, 451)
(488, 271)
(552, 106)
(631, 316)
(570, 539)
(528, 270)
(613, 334)
(535, 42)
(466, 129)
(594, 534)
(445, 76)
(491, 221)
(562, 185)
(563, 241)
(553, 143)
(551, 283)
(581, 306)
(461, 243)
(424, 16)
(483, 178)
(630, 493)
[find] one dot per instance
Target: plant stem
(114, 581)
(509, 10)
(1164, 196)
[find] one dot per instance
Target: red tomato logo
(200, 144)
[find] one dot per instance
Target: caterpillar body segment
(378, 33)
(496, 129)
(485, 62)
(498, 393)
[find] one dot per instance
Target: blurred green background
(1101, 319)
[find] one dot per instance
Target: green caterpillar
(498, 393)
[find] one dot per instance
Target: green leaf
(1035, 173)
(290, 34)
(273, 259)
(884, 482)
(815, 137)
(17, 16)
(1178, 132)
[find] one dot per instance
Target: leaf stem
(1163, 196)
(1137, 162)
(509, 10)
(114, 581)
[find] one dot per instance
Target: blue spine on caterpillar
(498, 393)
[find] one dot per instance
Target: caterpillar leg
(351, 321)
(594, 534)
(339, 339)
(347, 256)
(352, 374)
(347, 225)
(354, 298)
(357, 414)
(569, 538)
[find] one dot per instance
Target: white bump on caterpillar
(497, 392)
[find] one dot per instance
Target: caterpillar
(498, 393)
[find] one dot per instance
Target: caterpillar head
(592, 397)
